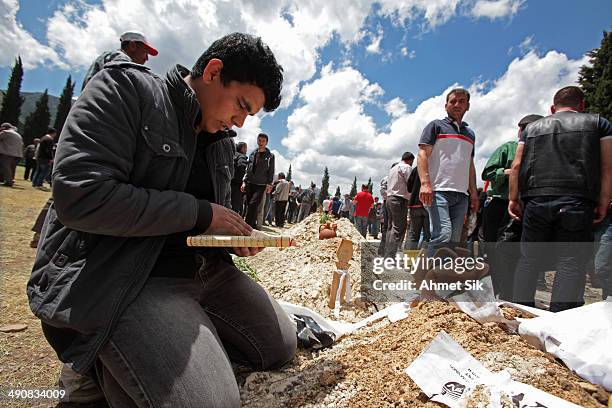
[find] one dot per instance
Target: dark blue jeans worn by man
(551, 227)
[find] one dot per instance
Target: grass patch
(244, 266)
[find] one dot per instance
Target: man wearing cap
(447, 172)
(495, 215)
(11, 151)
(563, 172)
(134, 48)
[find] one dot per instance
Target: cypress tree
(64, 105)
(324, 186)
(12, 101)
(338, 194)
(370, 185)
(353, 192)
(37, 122)
(595, 78)
(288, 178)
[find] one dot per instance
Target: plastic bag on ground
(580, 337)
(449, 375)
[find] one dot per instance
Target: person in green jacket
(495, 218)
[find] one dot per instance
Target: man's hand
(601, 211)
(227, 222)
(242, 251)
(474, 203)
(515, 209)
(508, 172)
(426, 194)
(243, 187)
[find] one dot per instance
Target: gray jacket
(11, 143)
(101, 61)
(121, 166)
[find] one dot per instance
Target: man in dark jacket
(563, 172)
(142, 163)
(240, 165)
(258, 179)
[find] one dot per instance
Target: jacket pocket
(158, 139)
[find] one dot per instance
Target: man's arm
(474, 200)
(270, 174)
(515, 207)
(94, 161)
(605, 193)
(426, 193)
(495, 169)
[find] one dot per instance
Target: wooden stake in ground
(344, 255)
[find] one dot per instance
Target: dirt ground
(26, 360)
(361, 370)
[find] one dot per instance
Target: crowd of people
(547, 198)
(113, 276)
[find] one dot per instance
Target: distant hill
(30, 103)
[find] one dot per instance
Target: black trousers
(254, 195)
(279, 213)
(557, 230)
(495, 217)
(30, 166)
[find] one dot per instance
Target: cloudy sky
(362, 78)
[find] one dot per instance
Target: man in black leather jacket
(143, 162)
(563, 172)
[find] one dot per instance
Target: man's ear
(212, 70)
(553, 109)
(468, 107)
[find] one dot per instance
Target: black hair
(281, 175)
(459, 91)
(407, 156)
(51, 131)
(246, 59)
(262, 135)
(364, 186)
(568, 97)
(240, 146)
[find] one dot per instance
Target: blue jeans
(173, 344)
(43, 169)
(603, 257)
(446, 218)
(362, 225)
(552, 227)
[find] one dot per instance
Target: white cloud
(15, 40)
(395, 108)
(493, 9)
(410, 54)
(374, 46)
(331, 127)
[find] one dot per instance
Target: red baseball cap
(136, 36)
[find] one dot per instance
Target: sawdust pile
(302, 275)
(366, 369)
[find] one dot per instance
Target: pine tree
(37, 122)
(324, 186)
(370, 185)
(353, 192)
(338, 194)
(11, 104)
(288, 178)
(65, 103)
(595, 78)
